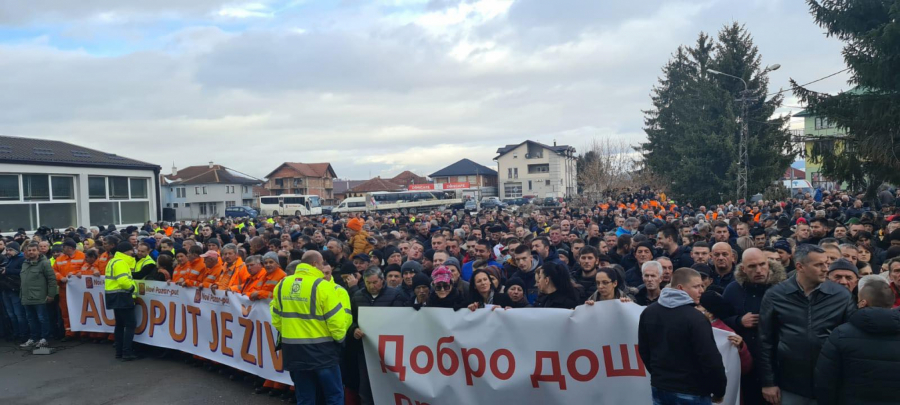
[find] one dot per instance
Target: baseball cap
(210, 253)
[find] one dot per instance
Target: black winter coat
(454, 300)
(556, 300)
(388, 297)
(860, 361)
(792, 330)
(679, 351)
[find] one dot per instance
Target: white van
(799, 187)
(351, 204)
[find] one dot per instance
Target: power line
(814, 81)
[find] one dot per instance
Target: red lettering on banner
(195, 313)
(626, 370)
(557, 375)
(89, 309)
(455, 186)
(413, 187)
(275, 355)
(511, 364)
(226, 333)
(478, 372)
(156, 318)
(441, 352)
(143, 325)
(178, 337)
(414, 359)
(107, 320)
(400, 399)
(214, 328)
(398, 367)
(572, 365)
(247, 324)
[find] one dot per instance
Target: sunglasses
(441, 286)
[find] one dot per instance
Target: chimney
(210, 164)
(174, 169)
(554, 142)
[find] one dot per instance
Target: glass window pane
(58, 215)
(97, 187)
(118, 188)
(135, 212)
(138, 188)
(37, 187)
(15, 216)
(63, 188)
(9, 187)
(104, 213)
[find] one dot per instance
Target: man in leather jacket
(795, 319)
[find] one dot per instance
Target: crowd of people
(808, 285)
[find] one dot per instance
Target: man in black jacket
(796, 316)
(677, 347)
(859, 361)
(376, 294)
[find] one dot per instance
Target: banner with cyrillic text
(438, 356)
(227, 329)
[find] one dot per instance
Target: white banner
(438, 356)
(228, 329)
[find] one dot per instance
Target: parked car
(326, 209)
(550, 202)
(241, 211)
(492, 202)
(470, 205)
(351, 204)
(517, 201)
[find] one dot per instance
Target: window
(182, 192)
(822, 123)
(204, 189)
(174, 205)
(97, 187)
(138, 188)
(516, 173)
(15, 216)
(63, 189)
(547, 182)
(202, 208)
(197, 190)
(244, 189)
(104, 213)
(57, 215)
(529, 185)
(229, 204)
(36, 187)
(544, 168)
(118, 188)
(186, 205)
(247, 202)
(9, 187)
(168, 205)
(509, 174)
(135, 212)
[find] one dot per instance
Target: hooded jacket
(792, 330)
(11, 281)
(746, 297)
(860, 361)
(676, 344)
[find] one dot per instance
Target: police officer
(312, 323)
(120, 295)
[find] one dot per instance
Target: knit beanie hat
(420, 279)
(355, 224)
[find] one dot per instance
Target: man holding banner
(119, 295)
(308, 314)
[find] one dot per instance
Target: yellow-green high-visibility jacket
(308, 313)
(119, 285)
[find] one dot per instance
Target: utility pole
(743, 141)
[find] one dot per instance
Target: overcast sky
(374, 87)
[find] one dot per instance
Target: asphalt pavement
(87, 373)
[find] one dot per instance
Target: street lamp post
(743, 158)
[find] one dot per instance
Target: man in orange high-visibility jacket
(213, 268)
(67, 264)
(192, 275)
(235, 272)
(262, 290)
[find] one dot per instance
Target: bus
(414, 201)
(290, 204)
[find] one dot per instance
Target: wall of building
(216, 199)
(557, 181)
(133, 207)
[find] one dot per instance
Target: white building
(58, 184)
(537, 170)
(203, 192)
